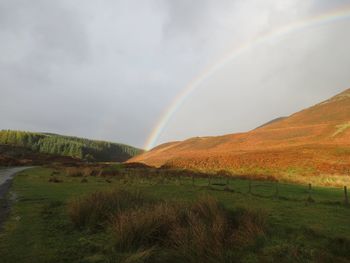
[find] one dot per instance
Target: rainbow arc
(314, 21)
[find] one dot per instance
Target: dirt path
(6, 176)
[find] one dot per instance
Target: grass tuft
(54, 179)
(252, 227)
(144, 227)
(94, 210)
(203, 231)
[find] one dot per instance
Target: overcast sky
(108, 69)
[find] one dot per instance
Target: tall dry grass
(144, 227)
(204, 234)
(94, 210)
(147, 231)
(201, 232)
(250, 226)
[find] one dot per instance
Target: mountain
(59, 145)
(272, 121)
(313, 141)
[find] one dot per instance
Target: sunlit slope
(314, 140)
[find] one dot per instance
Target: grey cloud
(44, 27)
(109, 69)
(37, 38)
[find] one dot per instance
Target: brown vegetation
(54, 179)
(203, 231)
(312, 142)
(94, 210)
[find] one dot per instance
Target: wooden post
(192, 180)
(250, 187)
(346, 198)
(209, 181)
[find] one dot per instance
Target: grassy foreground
(41, 227)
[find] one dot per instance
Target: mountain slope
(315, 140)
(75, 147)
(272, 121)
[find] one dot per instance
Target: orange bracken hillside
(313, 141)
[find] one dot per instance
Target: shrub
(54, 179)
(82, 171)
(84, 180)
(89, 171)
(110, 171)
(73, 172)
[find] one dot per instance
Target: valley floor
(302, 226)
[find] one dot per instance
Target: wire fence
(262, 189)
(285, 191)
(239, 184)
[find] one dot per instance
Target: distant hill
(313, 141)
(59, 145)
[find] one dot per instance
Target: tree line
(89, 150)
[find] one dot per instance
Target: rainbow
(314, 21)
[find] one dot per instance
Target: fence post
(192, 180)
(209, 181)
(346, 198)
(310, 198)
(250, 187)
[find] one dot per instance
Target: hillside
(21, 156)
(313, 141)
(58, 145)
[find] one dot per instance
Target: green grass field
(39, 229)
